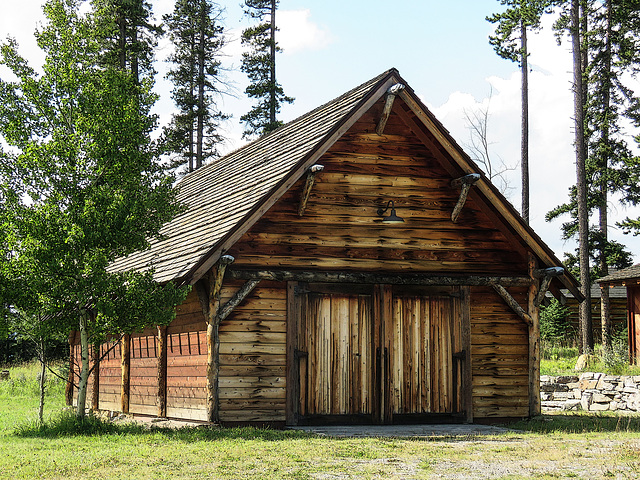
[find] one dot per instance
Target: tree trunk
(201, 81)
(605, 304)
(524, 145)
(43, 377)
(586, 343)
(84, 369)
(273, 100)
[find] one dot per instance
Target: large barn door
(334, 354)
(424, 358)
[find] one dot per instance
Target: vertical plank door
(335, 355)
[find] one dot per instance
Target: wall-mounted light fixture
(392, 217)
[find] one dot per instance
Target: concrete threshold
(405, 431)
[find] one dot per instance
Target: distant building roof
(626, 276)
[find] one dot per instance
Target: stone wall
(593, 392)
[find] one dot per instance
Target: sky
(440, 48)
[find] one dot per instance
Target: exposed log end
(469, 179)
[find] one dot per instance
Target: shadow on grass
(579, 423)
(66, 424)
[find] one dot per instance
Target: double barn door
(375, 354)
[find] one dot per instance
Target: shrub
(554, 323)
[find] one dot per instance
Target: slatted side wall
(253, 355)
(110, 377)
(499, 355)
(618, 315)
(143, 393)
(341, 230)
(187, 362)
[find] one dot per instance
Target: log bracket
(547, 275)
(465, 183)
(392, 92)
(311, 178)
(512, 302)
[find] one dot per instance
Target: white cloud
(298, 33)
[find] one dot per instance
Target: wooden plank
(292, 372)
(534, 341)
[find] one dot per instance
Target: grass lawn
(577, 446)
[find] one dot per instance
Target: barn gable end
(308, 307)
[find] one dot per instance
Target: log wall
(340, 228)
(499, 355)
(252, 381)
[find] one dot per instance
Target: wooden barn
(629, 278)
(354, 266)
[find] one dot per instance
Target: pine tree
(128, 34)
(510, 42)
(195, 29)
(260, 66)
(609, 50)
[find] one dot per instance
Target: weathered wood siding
(187, 362)
(618, 316)
(110, 377)
(499, 355)
(341, 230)
(143, 373)
(336, 367)
(425, 336)
(633, 325)
(252, 381)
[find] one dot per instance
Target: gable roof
(626, 275)
(225, 198)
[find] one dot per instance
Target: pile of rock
(594, 392)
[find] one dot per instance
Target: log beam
(68, 392)
(216, 277)
(534, 333)
(162, 371)
(509, 300)
(465, 183)
(373, 278)
(125, 363)
(388, 105)
(239, 296)
(306, 191)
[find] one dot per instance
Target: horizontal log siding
(143, 373)
(110, 377)
(252, 382)
(341, 230)
(187, 362)
(618, 316)
(499, 355)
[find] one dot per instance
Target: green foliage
(506, 39)
(127, 36)
(259, 63)
(195, 29)
(24, 381)
(554, 322)
(83, 182)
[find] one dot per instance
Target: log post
(534, 341)
(68, 392)
(125, 364)
(216, 277)
(95, 391)
(467, 373)
(465, 183)
(306, 191)
(388, 105)
(162, 371)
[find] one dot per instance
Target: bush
(554, 323)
